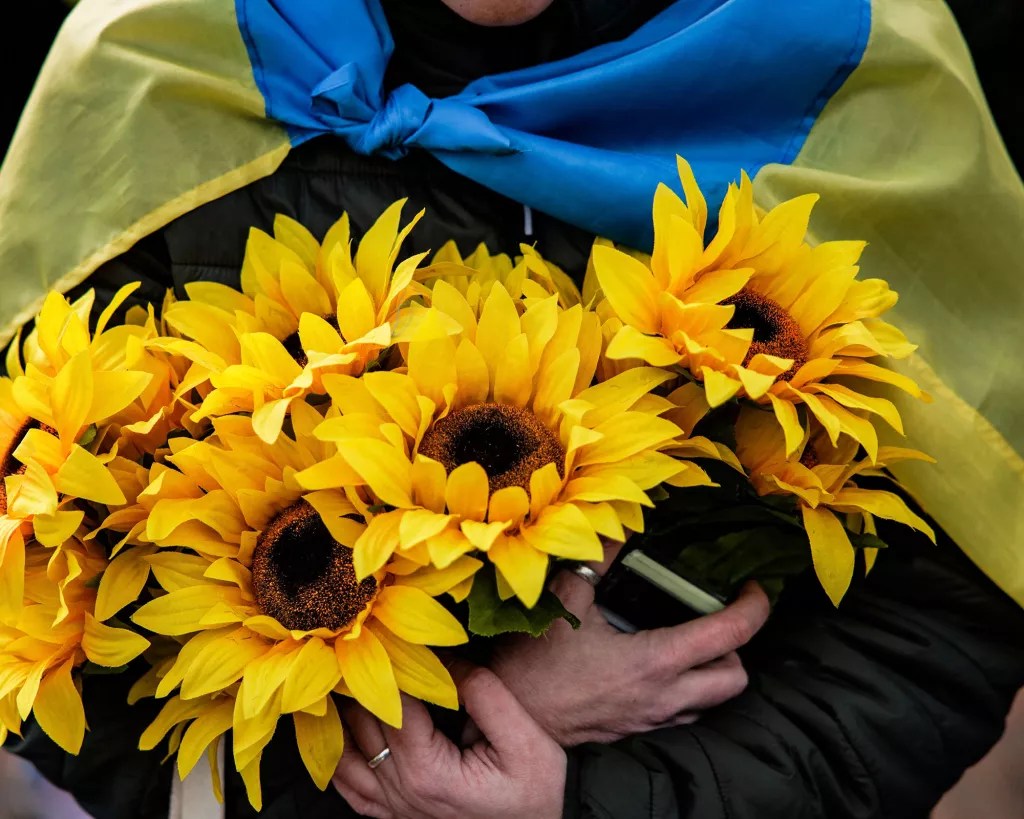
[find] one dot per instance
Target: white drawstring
(193, 798)
(527, 220)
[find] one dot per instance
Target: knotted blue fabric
(729, 84)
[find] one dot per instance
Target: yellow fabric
(906, 155)
(125, 76)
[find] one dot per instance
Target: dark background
(994, 30)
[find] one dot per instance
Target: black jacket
(870, 711)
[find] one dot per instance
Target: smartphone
(639, 593)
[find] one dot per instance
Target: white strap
(193, 798)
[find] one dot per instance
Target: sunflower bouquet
(265, 499)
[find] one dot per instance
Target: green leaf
(768, 554)
(87, 437)
(866, 540)
(93, 670)
(490, 616)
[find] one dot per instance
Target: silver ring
(584, 572)
(379, 760)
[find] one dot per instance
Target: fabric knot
(344, 105)
(392, 129)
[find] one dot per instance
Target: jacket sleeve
(870, 711)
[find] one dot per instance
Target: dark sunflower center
(9, 465)
(775, 331)
(508, 442)
(293, 344)
(810, 457)
(304, 578)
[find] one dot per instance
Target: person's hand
(514, 771)
(597, 684)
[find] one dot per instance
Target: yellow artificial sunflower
(529, 277)
(166, 405)
(758, 312)
(305, 309)
(52, 410)
(820, 477)
(495, 441)
(54, 634)
(270, 616)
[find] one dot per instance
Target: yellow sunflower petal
(467, 491)
(436, 581)
(718, 386)
(789, 420)
(376, 545)
(31, 493)
(630, 288)
(173, 713)
(416, 617)
(385, 469)
(510, 504)
(83, 475)
(311, 677)
(367, 672)
(338, 515)
(419, 525)
(882, 505)
(268, 420)
(418, 672)
(56, 529)
(428, 483)
(522, 566)
(545, 484)
(59, 711)
(447, 547)
(498, 326)
(831, 551)
(321, 743)
(631, 343)
(625, 435)
(205, 730)
(72, 396)
(222, 663)
(111, 647)
(12, 569)
(564, 531)
(513, 379)
(181, 611)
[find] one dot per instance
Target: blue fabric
(729, 84)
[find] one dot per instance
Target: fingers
(708, 686)
(418, 741)
(358, 785)
(707, 638)
(497, 713)
(365, 728)
(419, 767)
(573, 590)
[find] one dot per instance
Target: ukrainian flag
(147, 109)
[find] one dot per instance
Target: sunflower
(529, 277)
(495, 441)
(166, 405)
(757, 313)
(819, 476)
(52, 410)
(271, 619)
(305, 309)
(53, 635)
